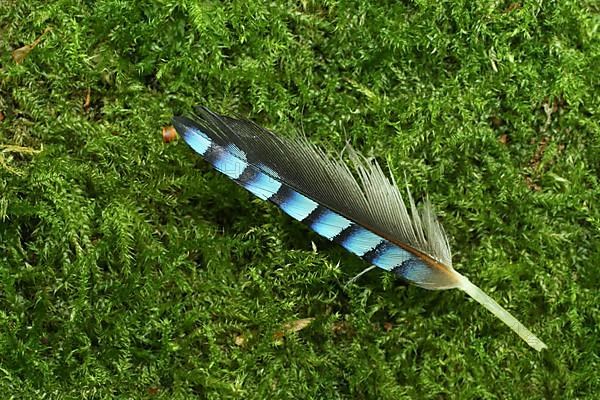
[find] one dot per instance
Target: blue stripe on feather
(267, 170)
(197, 140)
(358, 240)
(297, 206)
(261, 185)
(414, 271)
(227, 163)
(236, 151)
(389, 256)
(329, 224)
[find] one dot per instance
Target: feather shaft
(482, 298)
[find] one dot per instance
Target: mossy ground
(130, 269)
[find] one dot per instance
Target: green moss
(128, 268)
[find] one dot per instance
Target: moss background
(130, 269)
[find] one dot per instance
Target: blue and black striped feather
(358, 208)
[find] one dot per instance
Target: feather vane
(354, 205)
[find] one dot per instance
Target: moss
(129, 269)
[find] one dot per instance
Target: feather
(354, 205)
